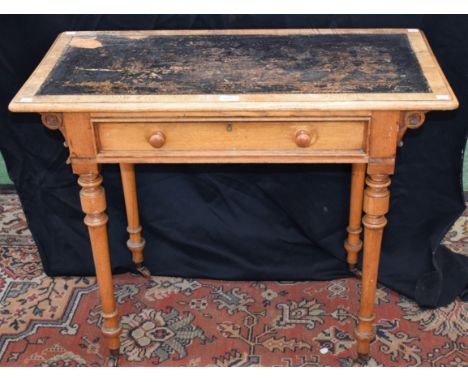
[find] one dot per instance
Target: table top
(328, 69)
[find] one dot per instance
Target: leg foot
(143, 270)
(113, 360)
(362, 359)
(354, 270)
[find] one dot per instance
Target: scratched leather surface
(368, 63)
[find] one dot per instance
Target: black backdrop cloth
(245, 222)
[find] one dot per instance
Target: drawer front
(296, 136)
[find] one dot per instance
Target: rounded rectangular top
(319, 69)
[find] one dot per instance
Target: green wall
(4, 179)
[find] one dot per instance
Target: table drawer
(300, 136)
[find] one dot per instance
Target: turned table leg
(93, 203)
(136, 243)
(353, 243)
(376, 204)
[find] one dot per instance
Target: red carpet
(194, 322)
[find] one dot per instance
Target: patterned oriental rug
(170, 321)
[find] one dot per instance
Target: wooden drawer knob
(304, 138)
(157, 139)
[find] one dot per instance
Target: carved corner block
(410, 120)
(52, 121)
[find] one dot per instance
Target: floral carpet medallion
(170, 321)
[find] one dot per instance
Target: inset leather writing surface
(223, 64)
(237, 71)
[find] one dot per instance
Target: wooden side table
(244, 96)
